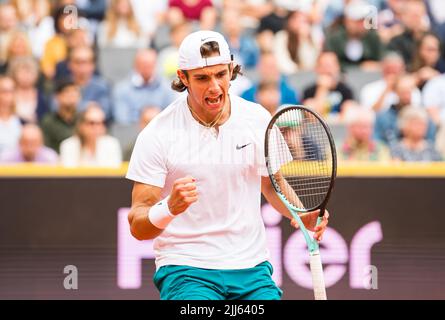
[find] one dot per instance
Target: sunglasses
(94, 123)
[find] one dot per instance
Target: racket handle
(317, 276)
(322, 209)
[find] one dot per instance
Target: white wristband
(160, 215)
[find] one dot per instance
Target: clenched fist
(183, 194)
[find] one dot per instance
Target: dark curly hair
(207, 50)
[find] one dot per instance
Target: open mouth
(214, 102)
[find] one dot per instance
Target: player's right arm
(144, 196)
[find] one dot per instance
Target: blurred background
(80, 79)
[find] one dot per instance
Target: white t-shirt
(433, 96)
(224, 228)
(371, 92)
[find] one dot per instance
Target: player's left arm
(309, 219)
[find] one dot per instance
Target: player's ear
(183, 77)
(231, 67)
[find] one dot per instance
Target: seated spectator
(55, 49)
(59, 125)
(359, 144)
(200, 11)
(414, 19)
(268, 95)
(91, 146)
(30, 102)
(428, 61)
(149, 14)
(436, 15)
(75, 38)
(354, 45)
(30, 148)
(413, 123)
(270, 24)
(168, 56)
(379, 95)
(143, 87)
(243, 47)
(19, 46)
(81, 63)
(328, 94)
(386, 129)
(35, 18)
(147, 114)
(8, 24)
(434, 99)
(10, 126)
(298, 45)
(120, 28)
(268, 72)
(390, 21)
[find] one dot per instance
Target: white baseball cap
(190, 54)
(357, 10)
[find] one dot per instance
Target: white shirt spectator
(9, 133)
(108, 153)
(371, 92)
(124, 37)
(433, 95)
(147, 13)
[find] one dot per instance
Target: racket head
(301, 158)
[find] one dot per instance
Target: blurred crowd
(57, 104)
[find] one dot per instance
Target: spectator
(10, 126)
(120, 28)
(269, 72)
(328, 94)
(143, 87)
(415, 23)
(30, 102)
(75, 38)
(354, 45)
(18, 46)
(379, 95)
(56, 49)
(268, 95)
(8, 24)
(270, 24)
(359, 144)
(81, 63)
(243, 47)
(386, 129)
(149, 14)
(59, 125)
(200, 11)
(427, 62)
(35, 18)
(390, 21)
(298, 46)
(434, 99)
(436, 15)
(413, 123)
(91, 146)
(30, 148)
(168, 56)
(147, 114)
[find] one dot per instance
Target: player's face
(208, 88)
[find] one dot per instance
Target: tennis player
(198, 170)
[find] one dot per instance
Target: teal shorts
(190, 283)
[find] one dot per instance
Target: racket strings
(300, 159)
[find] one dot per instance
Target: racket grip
(317, 276)
(321, 214)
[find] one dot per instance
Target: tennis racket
(302, 165)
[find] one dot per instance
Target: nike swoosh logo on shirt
(244, 145)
